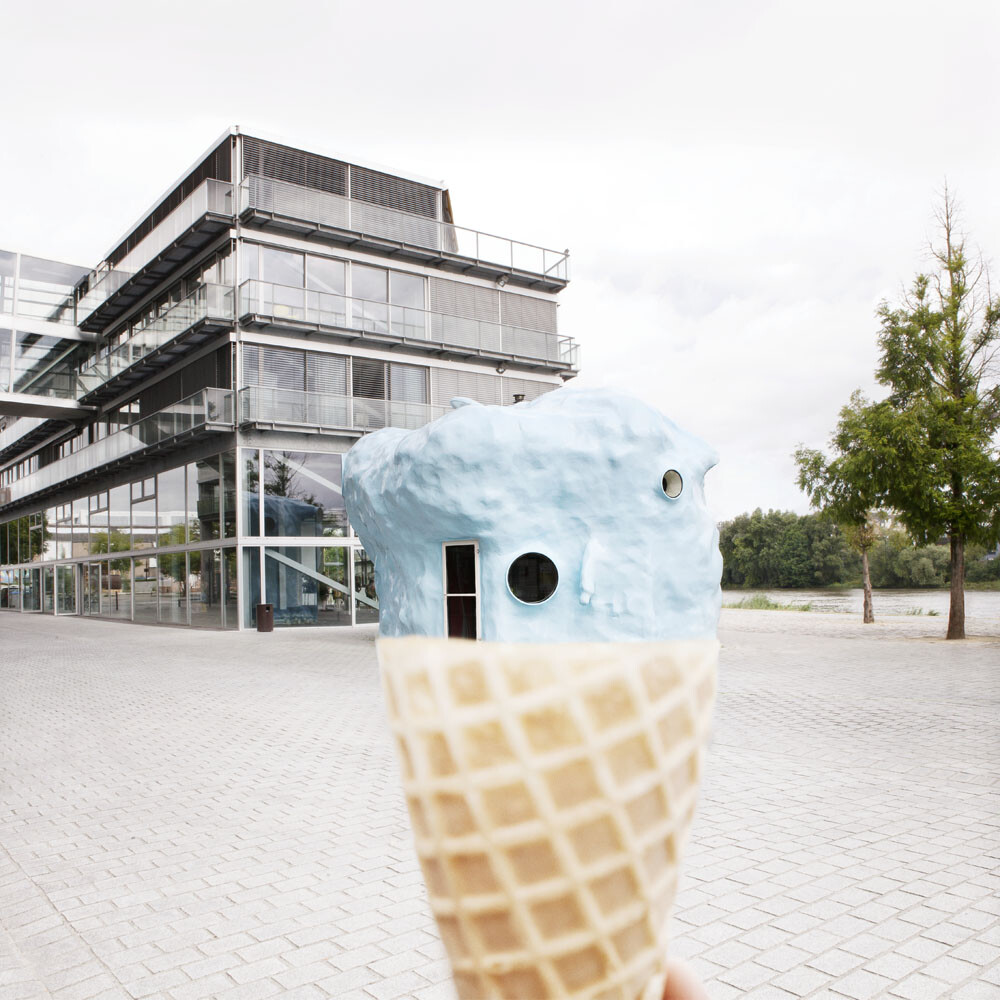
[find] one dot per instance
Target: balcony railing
(207, 302)
(263, 404)
(305, 305)
(210, 409)
(210, 197)
(296, 202)
(14, 432)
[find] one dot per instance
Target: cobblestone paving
(203, 815)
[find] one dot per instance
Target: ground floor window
(309, 585)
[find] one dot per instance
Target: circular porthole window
(532, 578)
(672, 483)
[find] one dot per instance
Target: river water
(978, 603)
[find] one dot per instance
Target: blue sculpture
(579, 516)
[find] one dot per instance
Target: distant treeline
(782, 549)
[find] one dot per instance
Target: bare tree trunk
(956, 609)
(869, 614)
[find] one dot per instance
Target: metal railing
(297, 202)
(305, 305)
(264, 404)
(207, 301)
(210, 196)
(55, 385)
(208, 407)
(15, 431)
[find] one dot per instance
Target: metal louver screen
(454, 298)
(528, 387)
(218, 165)
(447, 384)
(251, 364)
(206, 371)
(526, 312)
(283, 163)
(394, 192)
(282, 368)
(326, 373)
(368, 378)
(407, 383)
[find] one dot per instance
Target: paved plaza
(193, 815)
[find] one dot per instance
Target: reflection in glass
(31, 583)
(80, 527)
(119, 519)
(172, 578)
(99, 523)
(335, 604)
(11, 596)
(48, 590)
(65, 590)
(251, 586)
(365, 597)
(116, 589)
(90, 603)
(170, 518)
(62, 532)
(281, 267)
(230, 589)
(203, 499)
(145, 585)
(249, 261)
(325, 275)
(251, 490)
(206, 588)
(228, 494)
(307, 586)
(302, 495)
(144, 527)
(48, 529)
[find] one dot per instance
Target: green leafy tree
(102, 542)
(173, 564)
(845, 487)
(934, 437)
(782, 549)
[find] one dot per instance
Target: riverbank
(978, 628)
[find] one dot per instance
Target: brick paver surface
(204, 815)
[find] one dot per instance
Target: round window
(672, 483)
(532, 578)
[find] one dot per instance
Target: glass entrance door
(90, 603)
(66, 590)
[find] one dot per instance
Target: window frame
(477, 594)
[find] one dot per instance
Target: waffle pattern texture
(551, 788)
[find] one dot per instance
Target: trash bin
(265, 617)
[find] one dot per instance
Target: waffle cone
(551, 788)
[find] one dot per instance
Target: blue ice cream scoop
(579, 516)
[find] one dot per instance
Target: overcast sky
(739, 183)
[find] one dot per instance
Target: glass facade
(167, 548)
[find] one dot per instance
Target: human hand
(682, 983)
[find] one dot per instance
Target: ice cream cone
(551, 788)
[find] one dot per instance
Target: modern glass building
(172, 422)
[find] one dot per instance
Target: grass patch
(761, 602)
